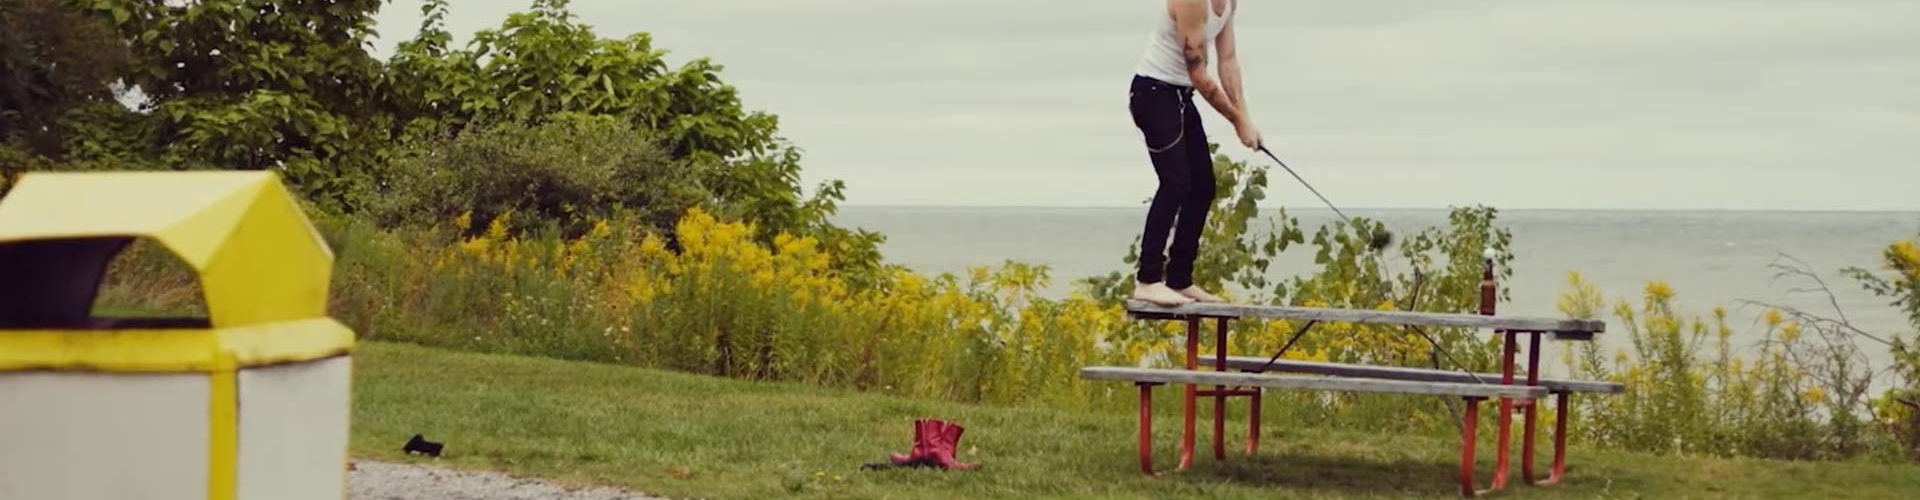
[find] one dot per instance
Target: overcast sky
(1621, 104)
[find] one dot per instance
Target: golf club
(1380, 239)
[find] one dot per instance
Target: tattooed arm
(1190, 21)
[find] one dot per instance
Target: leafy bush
(13, 162)
(569, 171)
(692, 142)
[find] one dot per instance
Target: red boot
(946, 447)
(924, 435)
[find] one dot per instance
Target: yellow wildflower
(497, 230)
(1905, 256)
(1659, 290)
(1814, 395)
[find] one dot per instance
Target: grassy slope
(689, 436)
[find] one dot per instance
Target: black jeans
(1177, 144)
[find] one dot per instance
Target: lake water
(1711, 258)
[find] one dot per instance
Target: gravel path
(389, 481)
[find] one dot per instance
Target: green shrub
(568, 171)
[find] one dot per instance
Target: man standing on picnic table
(1161, 100)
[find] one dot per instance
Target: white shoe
(1158, 293)
(1199, 295)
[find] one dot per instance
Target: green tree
(289, 85)
(543, 63)
(259, 84)
(53, 57)
(58, 64)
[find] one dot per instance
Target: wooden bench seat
(1314, 383)
(1472, 394)
(1259, 364)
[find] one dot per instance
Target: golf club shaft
(1303, 182)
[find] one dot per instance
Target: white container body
(293, 430)
(84, 436)
(93, 435)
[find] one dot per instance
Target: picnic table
(1253, 378)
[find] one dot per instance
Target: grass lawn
(680, 435)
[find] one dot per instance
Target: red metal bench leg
(1559, 440)
(1469, 433)
(1253, 424)
(1146, 428)
(1193, 362)
(1504, 435)
(1502, 440)
(1219, 391)
(1526, 439)
(1526, 445)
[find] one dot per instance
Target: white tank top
(1166, 58)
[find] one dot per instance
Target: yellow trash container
(249, 402)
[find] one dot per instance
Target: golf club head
(1381, 240)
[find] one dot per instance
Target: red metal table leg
(1193, 362)
(1220, 396)
(1469, 433)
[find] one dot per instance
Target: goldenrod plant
(1800, 390)
(1899, 407)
